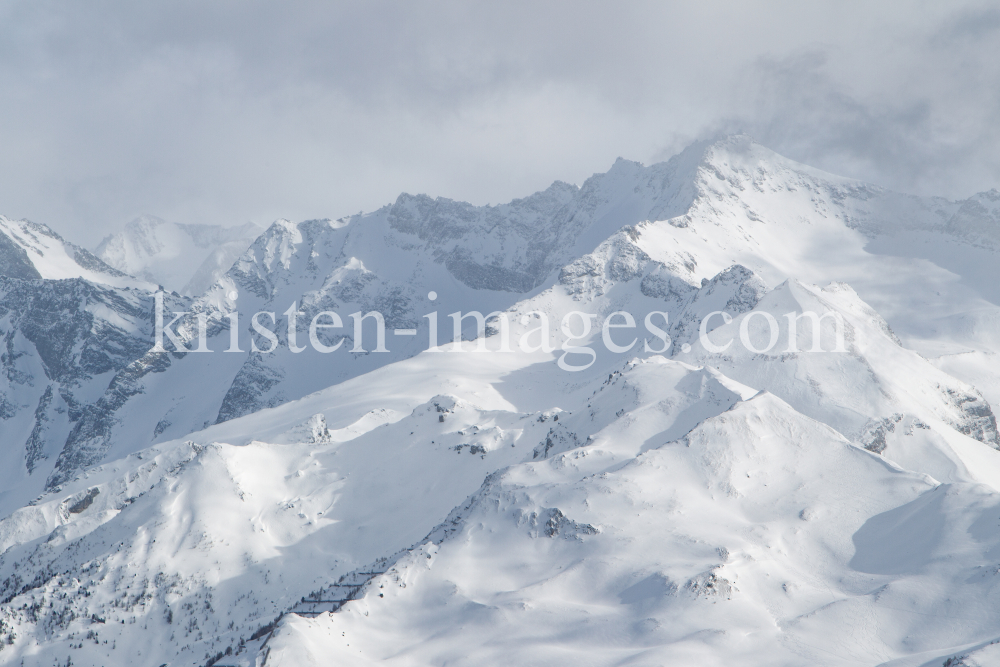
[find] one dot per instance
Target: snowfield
(834, 500)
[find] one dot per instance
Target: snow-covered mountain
(31, 250)
(831, 500)
(63, 341)
(183, 258)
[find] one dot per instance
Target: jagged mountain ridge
(389, 259)
(372, 263)
(253, 489)
(31, 251)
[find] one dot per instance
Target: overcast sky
(224, 112)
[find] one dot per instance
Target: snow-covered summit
(31, 250)
(181, 257)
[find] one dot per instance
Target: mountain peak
(32, 250)
(183, 257)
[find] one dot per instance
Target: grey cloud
(938, 139)
(974, 23)
(229, 111)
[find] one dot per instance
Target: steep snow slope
(30, 250)
(925, 264)
(184, 258)
(884, 397)
(854, 377)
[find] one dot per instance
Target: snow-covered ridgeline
(711, 506)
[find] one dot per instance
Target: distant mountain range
(695, 503)
(183, 258)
